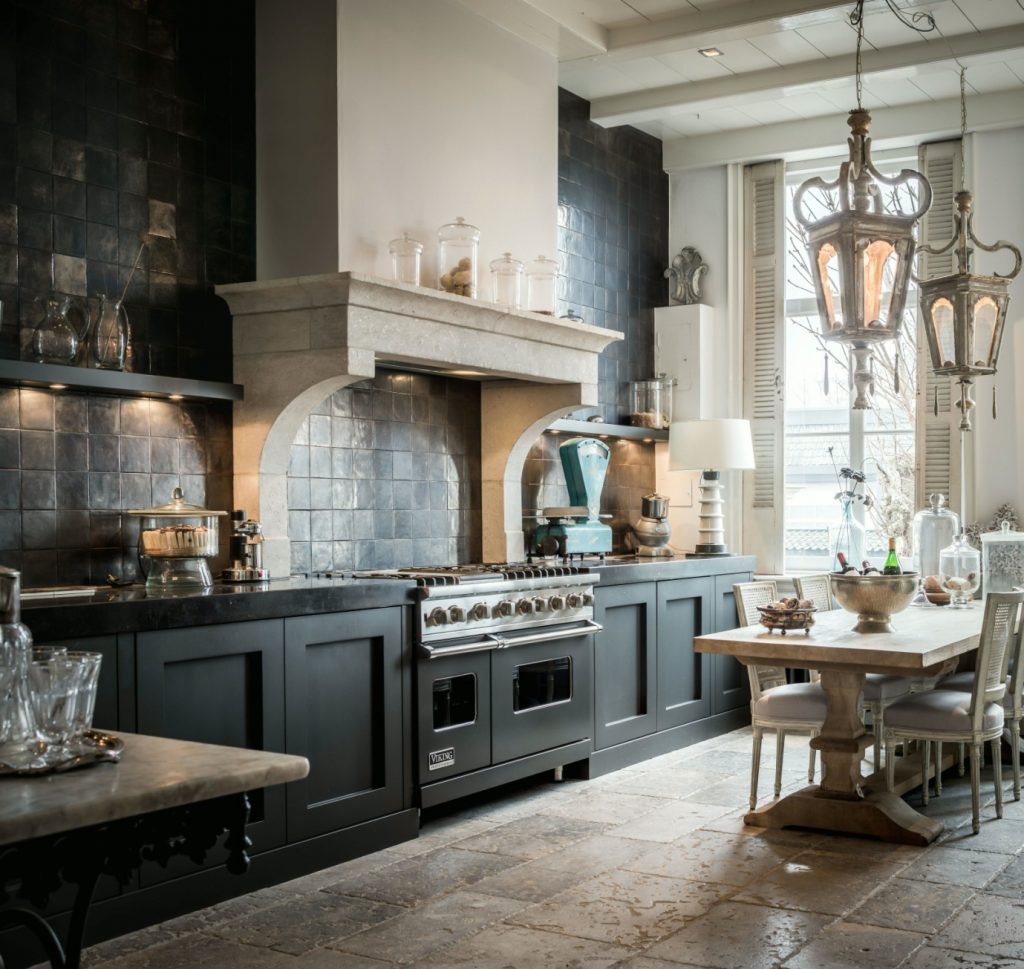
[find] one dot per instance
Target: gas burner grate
(526, 571)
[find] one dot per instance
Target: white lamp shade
(722, 444)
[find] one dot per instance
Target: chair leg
(960, 768)
(997, 774)
(1015, 750)
(755, 768)
(938, 768)
(926, 763)
(876, 732)
(810, 760)
(890, 764)
(780, 743)
(976, 787)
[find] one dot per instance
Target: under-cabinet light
(58, 386)
(176, 397)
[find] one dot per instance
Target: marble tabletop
(922, 638)
(154, 773)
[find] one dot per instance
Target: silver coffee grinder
(246, 551)
(652, 530)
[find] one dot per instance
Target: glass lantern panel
(879, 268)
(986, 312)
(828, 274)
(942, 315)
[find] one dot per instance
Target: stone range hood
(298, 340)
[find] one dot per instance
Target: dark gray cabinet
(730, 687)
(685, 610)
(625, 663)
(344, 701)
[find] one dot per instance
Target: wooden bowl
(938, 598)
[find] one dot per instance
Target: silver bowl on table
(874, 598)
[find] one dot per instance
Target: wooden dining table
(921, 643)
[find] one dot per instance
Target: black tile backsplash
(123, 121)
(612, 241)
(70, 466)
(386, 473)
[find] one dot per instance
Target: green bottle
(892, 563)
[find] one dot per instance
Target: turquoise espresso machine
(578, 529)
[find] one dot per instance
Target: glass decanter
(19, 739)
(57, 338)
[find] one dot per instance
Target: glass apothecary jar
(667, 388)
(960, 572)
(1003, 557)
(176, 542)
(458, 244)
(935, 527)
(646, 409)
(405, 259)
(541, 285)
(507, 281)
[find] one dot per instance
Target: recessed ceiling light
(58, 386)
(710, 52)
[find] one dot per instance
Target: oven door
(542, 691)
(454, 700)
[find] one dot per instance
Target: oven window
(542, 684)
(454, 701)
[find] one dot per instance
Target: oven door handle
(486, 644)
(589, 626)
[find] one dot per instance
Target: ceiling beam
(817, 137)
(553, 26)
(735, 90)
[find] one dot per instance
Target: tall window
(822, 434)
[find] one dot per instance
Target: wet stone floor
(647, 868)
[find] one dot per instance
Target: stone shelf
(597, 428)
(116, 382)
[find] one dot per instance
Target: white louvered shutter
(763, 360)
(938, 436)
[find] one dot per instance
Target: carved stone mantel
(298, 340)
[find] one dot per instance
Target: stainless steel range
(504, 674)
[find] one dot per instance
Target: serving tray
(95, 747)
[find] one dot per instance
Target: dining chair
(972, 718)
(775, 704)
(880, 689)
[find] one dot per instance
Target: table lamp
(711, 446)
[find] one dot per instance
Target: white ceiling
(783, 61)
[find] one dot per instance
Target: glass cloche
(176, 541)
(458, 244)
(960, 572)
(1003, 554)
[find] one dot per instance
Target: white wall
(994, 174)
(698, 217)
(440, 113)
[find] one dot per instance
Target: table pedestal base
(879, 815)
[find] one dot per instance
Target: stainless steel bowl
(874, 598)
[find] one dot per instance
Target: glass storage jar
(405, 259)
(667, 388)
(458, 244)
(934, 529)
(176, 542)
(1003, 558)
(507, 281)
(541, 283)
(646, 409)
(960, 572)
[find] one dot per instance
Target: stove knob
(456, 614)
(556, 603)
(505, 608)
(437, 617)
(524, 607)
(588, 599)
(479, 611)
(574, 600)
(540, 604)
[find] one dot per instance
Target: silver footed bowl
(874, 598)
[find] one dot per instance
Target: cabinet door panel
(625, 664)
(730, 684)
(344, 681)
(684, 611)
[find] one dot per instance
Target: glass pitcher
(19, 739)
(57, 337)
(109, 334)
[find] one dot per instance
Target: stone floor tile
(928, 957)
(868, 848)
(669, 823)
(904, 903)
(847, 945)
(954, 866)
(530, 882)
(734, 935)
(819, 881)
(515, 947)
(729, 792)
(443, 831)
(645, 962)
(987, 924)
(719, 761)
(414, 935)
(667, 782)
(1005, 836)
(1010, 881)
(419, 878)
(528, 838)
(623, 907)
(712, 857)
(732, 823)
(591, 856)
(613, 807)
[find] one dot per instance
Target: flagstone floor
(647, 868)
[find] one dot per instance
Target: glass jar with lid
(646, 409)
(458, 244)
(960, 572)
(934, 529)
(1003, 556)
(176, 542)
(667, 390)
(541, 283)
(405, 259)
(507, 281)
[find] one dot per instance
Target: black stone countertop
(132, 610)
(618, 570)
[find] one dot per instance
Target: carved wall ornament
(687, 276)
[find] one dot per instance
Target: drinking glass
(53, 686)
(90, 678)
